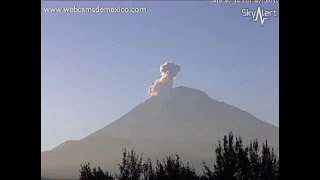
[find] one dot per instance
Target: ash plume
(168, 72)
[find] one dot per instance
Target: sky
(95, 67)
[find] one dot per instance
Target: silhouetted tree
(233, 162)
(226, 159)
(255, 161)
(86, 173)
(242, 160)
(268, 163)
(173, 169)
(172, 166)
(207, 173)
(160, 172)
(188, 173)
(148, 171)
(220, 162)
(131, 167)
(98, 174)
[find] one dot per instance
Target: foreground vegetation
(233, 162)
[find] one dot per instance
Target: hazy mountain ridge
(188, 111)
(184, 120)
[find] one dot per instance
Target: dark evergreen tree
(160, 172)
(207, 173)
(255, 161)
(172, 166)
(242, 164)
(233, 162)
(148, 171)
(86, 172)
(98, 174)
(268, 163)
(173, 169)
(220, 161)
(188, 173)
(226, 162)
(131, 167)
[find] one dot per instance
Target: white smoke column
(169, 72)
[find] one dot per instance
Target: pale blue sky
(98, 66)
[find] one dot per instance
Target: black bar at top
(215, 1)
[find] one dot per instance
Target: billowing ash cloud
(169, 72)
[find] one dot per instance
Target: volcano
(183, 120)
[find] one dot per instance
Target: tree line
(233, 162)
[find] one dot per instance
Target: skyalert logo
(260, 15)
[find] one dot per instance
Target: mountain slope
(183, 120)
(190, 114)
